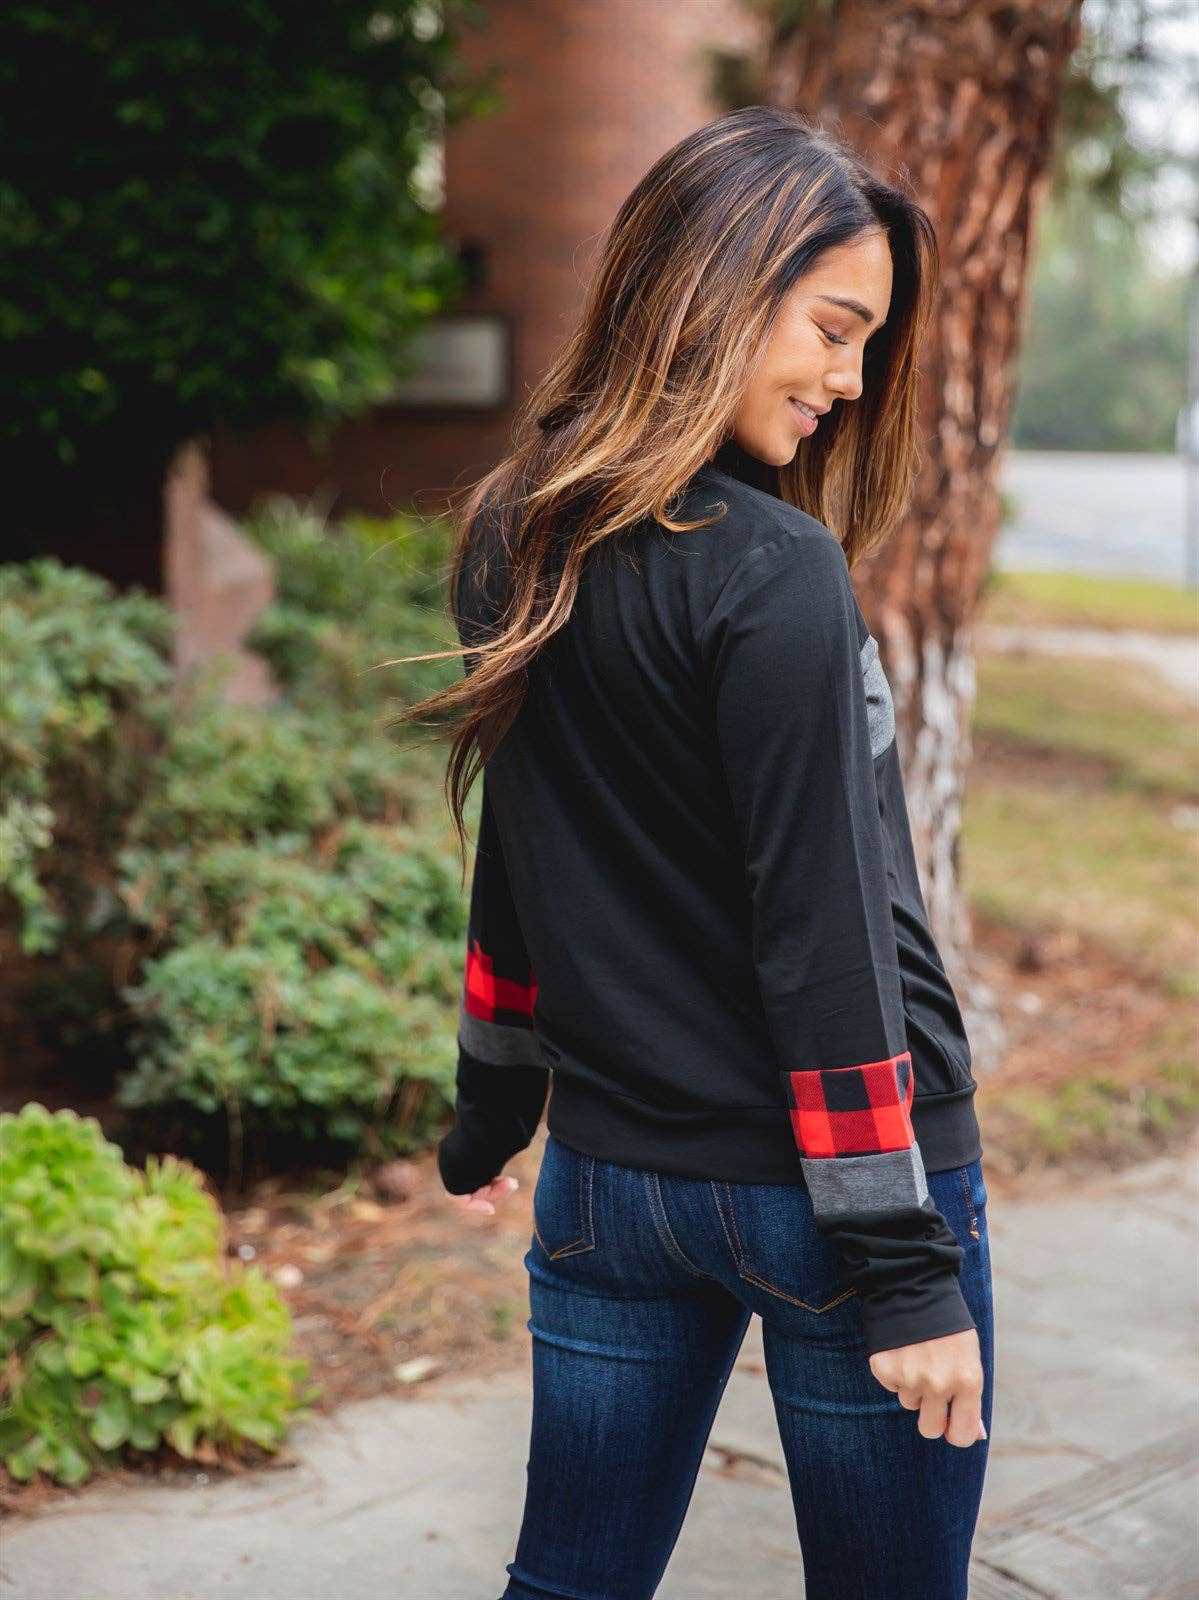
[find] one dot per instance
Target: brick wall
(596, 90)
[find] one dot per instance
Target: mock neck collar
(738, 463)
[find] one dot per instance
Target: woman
(695, 903)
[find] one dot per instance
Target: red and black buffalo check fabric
(493, 998)
(846, 1111)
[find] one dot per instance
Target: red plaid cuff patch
(488, 996)
(847, 1111)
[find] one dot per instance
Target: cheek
(791, 365)
(788, 376)
(796, 369)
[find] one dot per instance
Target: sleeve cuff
(498, 1112)
(904, 1314)
(465, 1166)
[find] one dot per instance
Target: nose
(845, 380)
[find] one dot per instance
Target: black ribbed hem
(741, 1144)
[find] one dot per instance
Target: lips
(805, 424)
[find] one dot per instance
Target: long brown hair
(693, 271)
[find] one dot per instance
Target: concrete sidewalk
(1091, 1487)
(1174, 658)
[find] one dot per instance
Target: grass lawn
(1112, 718)
(1106, 865)
(1072, 600)
(1081, 860)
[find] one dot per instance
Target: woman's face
(814, 354)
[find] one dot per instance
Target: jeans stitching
(663, 1229)
(724, 1225)
(736, 1234)
(752, 1277)
(807, 1304)
(576, 1246)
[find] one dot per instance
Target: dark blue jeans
(641, 1287)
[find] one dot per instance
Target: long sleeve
(502, 1078)
(782, 651)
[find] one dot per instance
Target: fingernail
(983, 1426)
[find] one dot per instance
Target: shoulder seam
(781, 532)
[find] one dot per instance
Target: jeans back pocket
(562, 1211)
(775, 1244)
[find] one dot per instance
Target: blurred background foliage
(1103, 361)
(1103, 365)
(216, 215)
(248, 921)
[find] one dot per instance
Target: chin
(774, 451)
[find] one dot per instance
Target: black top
(695, 903)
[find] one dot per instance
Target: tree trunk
(964, 96)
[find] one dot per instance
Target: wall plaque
(462, 362)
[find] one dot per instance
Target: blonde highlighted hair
(693, 271)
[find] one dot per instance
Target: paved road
(1090, 1486)
(1079, 511)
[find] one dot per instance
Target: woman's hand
(481, 1199)
(938, 1377)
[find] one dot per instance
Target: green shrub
(351, 596)
(338, 569)
(259, 907)
(312, 997)
(372, 897)
(121, 1321)
(246, 773)
(224, 220)
(83, 714)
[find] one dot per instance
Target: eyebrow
(855, 306)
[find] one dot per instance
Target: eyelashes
(832, 337)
